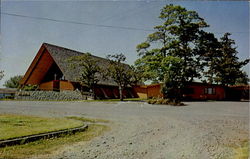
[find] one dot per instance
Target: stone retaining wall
(49, 95)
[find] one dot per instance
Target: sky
(129, 23)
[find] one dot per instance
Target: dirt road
(200, 130)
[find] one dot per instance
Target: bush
(152, 101)
(165, 102)
(159, 101)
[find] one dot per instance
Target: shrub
(152, 101)
(165, 102)
(159, 101)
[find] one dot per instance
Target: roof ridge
(53, 45)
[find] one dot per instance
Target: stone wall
(49, 95)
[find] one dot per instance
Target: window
(209, 91)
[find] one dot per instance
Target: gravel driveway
(200, 130)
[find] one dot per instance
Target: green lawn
(242, 150)
(48, 146)
(20, 125)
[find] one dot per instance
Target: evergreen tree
(208, 51)
(228, 68)
(176, 37)
(243, 80)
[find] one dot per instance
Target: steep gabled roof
(60, 56)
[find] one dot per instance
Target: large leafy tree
(228, 68)
(13, 82)
(177, 37)
(89, 70)
(121, 73)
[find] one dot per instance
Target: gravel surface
(200, 130)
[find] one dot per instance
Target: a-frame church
(50, 71)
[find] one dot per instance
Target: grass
(242, 151)
(48, 146)
(21, 125)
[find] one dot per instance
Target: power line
(90, 24)
(75, 22)
(133, 10)
(129, 12)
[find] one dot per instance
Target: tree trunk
(93, 92)
(120, 93)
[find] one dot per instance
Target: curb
(31, 138)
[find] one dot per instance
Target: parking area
(139, 130)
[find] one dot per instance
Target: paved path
(200, 130)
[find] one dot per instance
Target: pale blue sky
(22, 37)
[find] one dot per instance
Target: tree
(228, 68)
(208, 51)
(89, 70)
(171, 66)
(243, 80)
(121, 73)
(30, 87)
(13, 82)
(136, 75)
(1, 74)
(176, 37)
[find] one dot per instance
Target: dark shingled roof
(60, 56)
